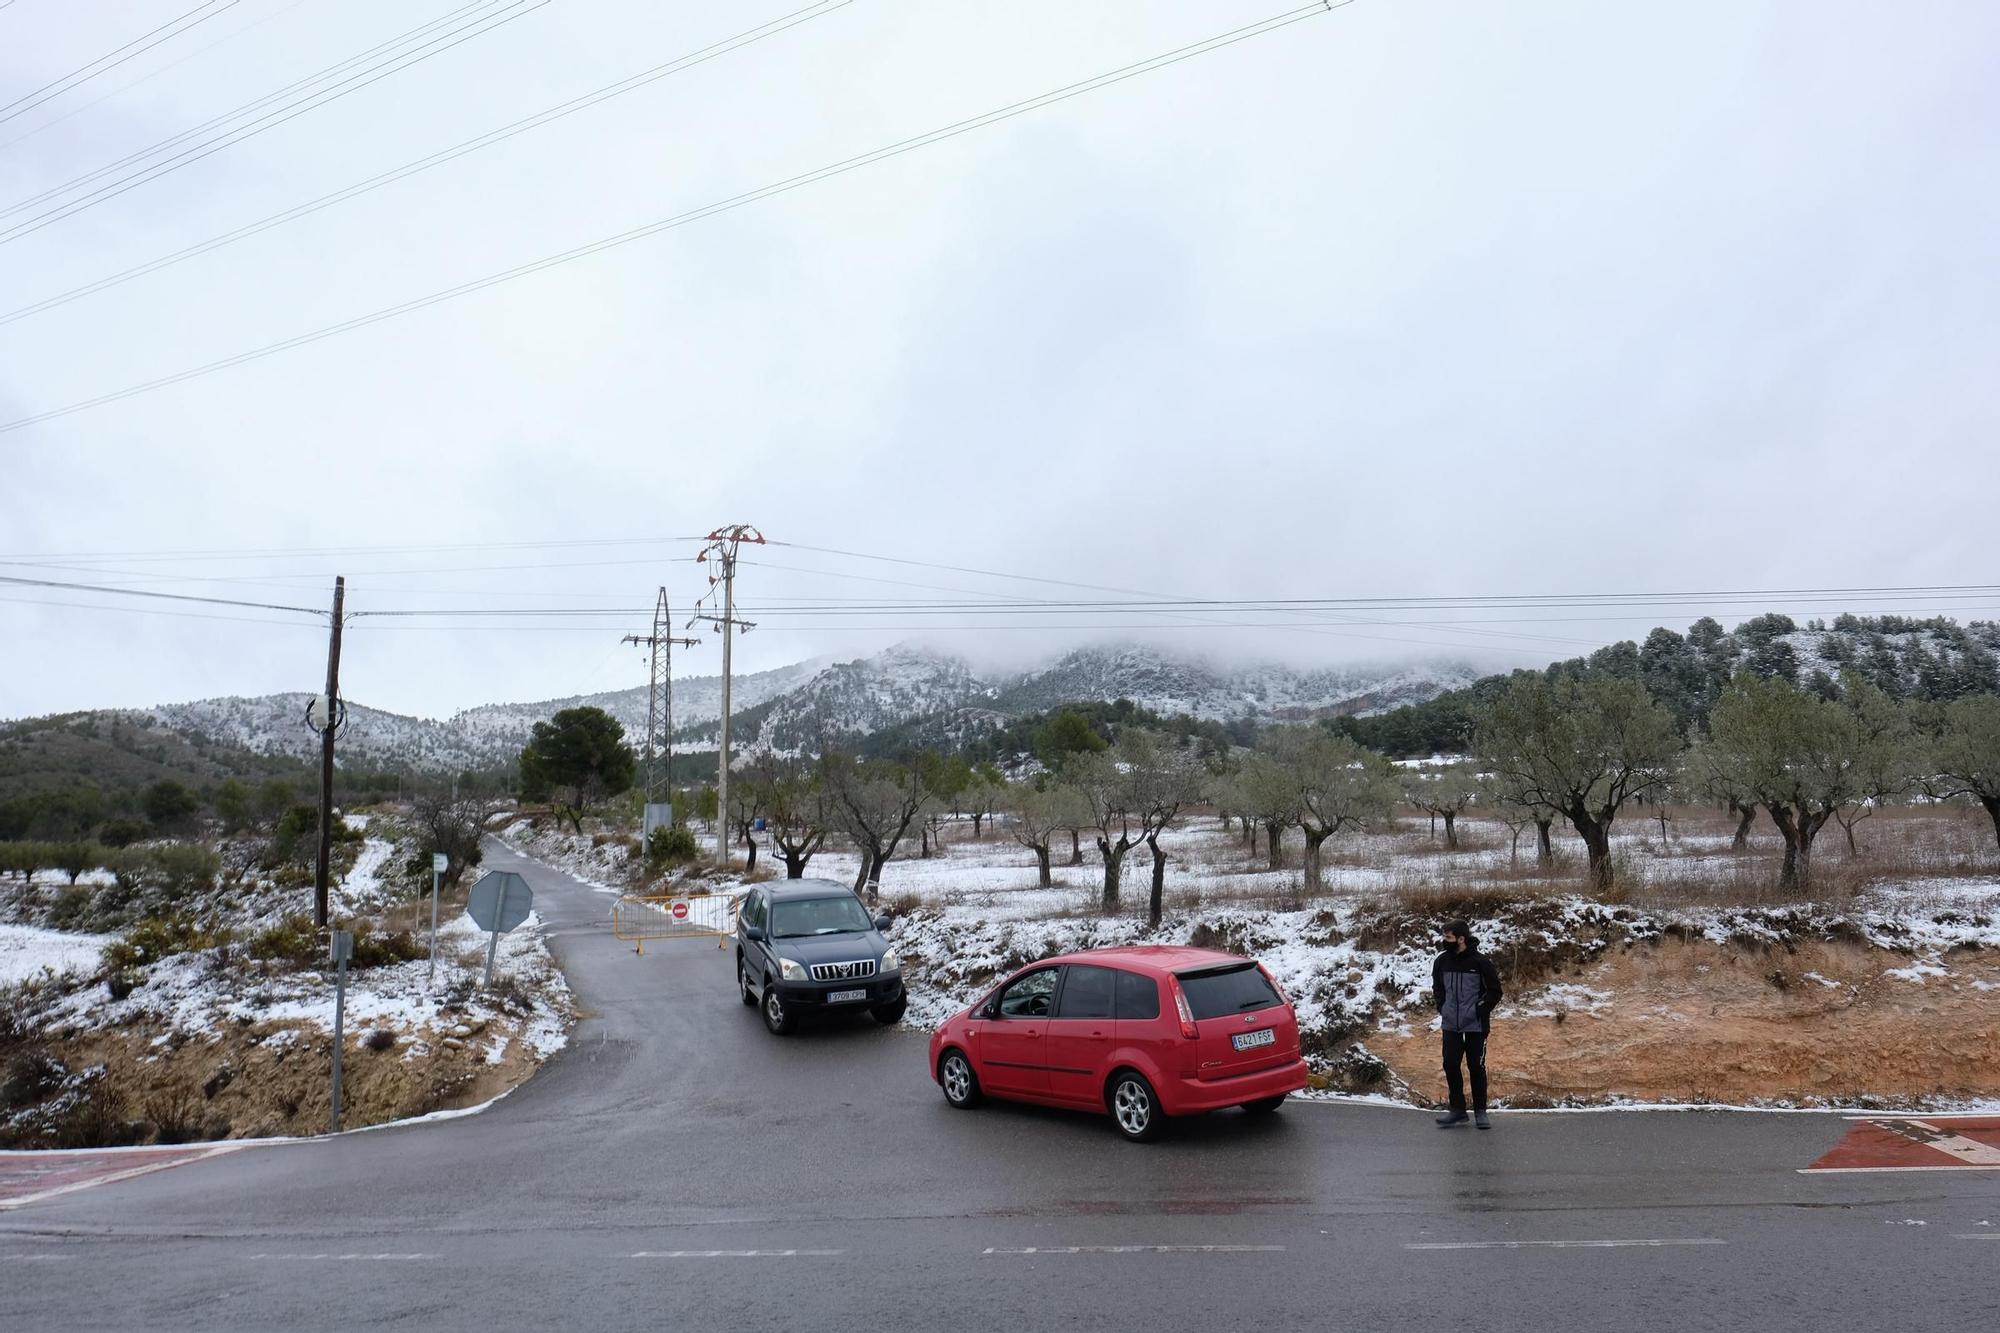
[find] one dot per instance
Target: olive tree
(1803, 757)
(1333, 783)
(1037, 815)
(1128, 795)
(1165, 781)
(1266, 792)
(1965, 760)
(876, 803)
(1583, 746)
(1442, 793)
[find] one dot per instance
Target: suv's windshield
(818, 916)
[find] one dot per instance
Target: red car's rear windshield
(1233, 988)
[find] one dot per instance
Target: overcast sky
(1417, 297)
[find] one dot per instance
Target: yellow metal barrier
(700, 916)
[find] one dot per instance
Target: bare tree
(875, 804)
(747, 798)
(453, 825)
(797, 811)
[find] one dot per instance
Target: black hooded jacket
(1466, 986)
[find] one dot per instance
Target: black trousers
(1471, 1048)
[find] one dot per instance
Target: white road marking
(1558, 1244)
(56, 1258)
(1976, 1235)
(736, 1254)
(1142, 1249)
(1873, 1170)
(344, 1258)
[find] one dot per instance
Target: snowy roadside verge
(194, 1028)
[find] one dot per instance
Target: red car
(1143, 1033)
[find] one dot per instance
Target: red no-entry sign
(680, 911)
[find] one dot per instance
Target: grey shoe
(1450, 1118)
(1479, 1119)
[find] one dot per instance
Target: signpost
(498, 902)
(340, 951)
(438, 863)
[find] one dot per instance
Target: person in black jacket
(1466, 986)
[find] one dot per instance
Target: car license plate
(1250, 1041)
(845, 996)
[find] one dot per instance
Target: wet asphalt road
(676, 1167)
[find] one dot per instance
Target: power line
(164, 596)
(255, 104)
(438, 46)
(438, 158)
(54, 121)
(154, 611)
(269, 552)
(786, 185)
(138, 45)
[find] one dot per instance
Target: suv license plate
(1250, 1041)
(845, 996)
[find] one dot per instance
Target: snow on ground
(597, 865)
(200, 993)
(27, 952)
(362, 889)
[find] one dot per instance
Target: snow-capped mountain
(697, 700)
(1184, 685)
(800, 708)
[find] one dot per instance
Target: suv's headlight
(891, 961)
(791, 971)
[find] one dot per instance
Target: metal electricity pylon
(659, 709)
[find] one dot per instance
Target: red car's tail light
(1188, 1028)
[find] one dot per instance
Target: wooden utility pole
(332, 721)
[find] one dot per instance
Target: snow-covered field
(28, 952)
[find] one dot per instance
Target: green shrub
(293, 940)
(373, 950)
(72, 908)
(155, 937)
(670, 846)
(121, 832)
(182, 869)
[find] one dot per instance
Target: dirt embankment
(255, 1080)
(1691, 1020)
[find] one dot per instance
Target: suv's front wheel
(890, 1014)
(776, 1016)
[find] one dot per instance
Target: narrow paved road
(677, 1167)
